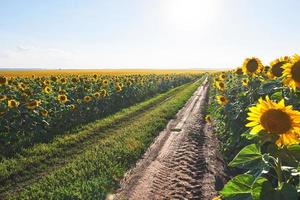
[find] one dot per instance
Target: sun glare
(189, 14)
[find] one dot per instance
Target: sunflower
(61, 91)
(105, 82)
(276, 119)
(129, 83)
(44, 113)
(208, 119)
(222, 76)
(276, 69)
(97, 95)
(222, 100)
(3, 80)
(252, 66)
(120, 84)
(103, 93)
(291, 73)
(63, 80)
(75, 79)
(239, 71)
(245, 82)
(47, 90)
(220, 85)
(46, 82)
(33, 104)
(22, 86)
(72, 107)
(53, 78)
(3, 97)
(62, 98)
(216, 79)
(12, 103)
(217, 198)
(118, 88)
(87, 98)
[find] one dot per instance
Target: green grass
(99, 163)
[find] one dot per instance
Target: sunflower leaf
(238, 188)
(248, 157)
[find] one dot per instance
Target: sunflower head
(239, 71)
(103, 93)
(220, 85)
(63, 80)
(118, 88)
(216, 79)
(222, 100)
(97, 95)
(120, 84)
(291, 73)
(105, 82)
(53, 78)
(3, 97)
(46, 82)
(3, 80)
(62, 98)
(47, 89)
(276, 70)
(217, 198)
(72, 107)
(44, 113)
(222, 76)
(22, 86)
(208, 119)
(87, 98)
(61, 91)
(245, 82)
(75, 79)
(275, 119)
(129, 83)
(33, 104)
(12, 103)
(252, 66)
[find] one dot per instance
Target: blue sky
(146, 33)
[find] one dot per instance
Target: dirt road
(182, 163)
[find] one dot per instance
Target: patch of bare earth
(182, 163)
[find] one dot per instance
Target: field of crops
(255, 111)
(75, 135)
(34, 110)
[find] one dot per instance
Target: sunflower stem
(279, 173)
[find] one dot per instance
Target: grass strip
(97, 170)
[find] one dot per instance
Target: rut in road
(182, 163)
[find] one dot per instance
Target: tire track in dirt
(177, 164)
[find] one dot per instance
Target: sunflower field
(35, 109)
(255, 111)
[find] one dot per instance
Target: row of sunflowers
(255, 111)
(35, 109)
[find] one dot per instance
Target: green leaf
(277, 96)
(247, 157)
(238, 188)
(262, 190)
